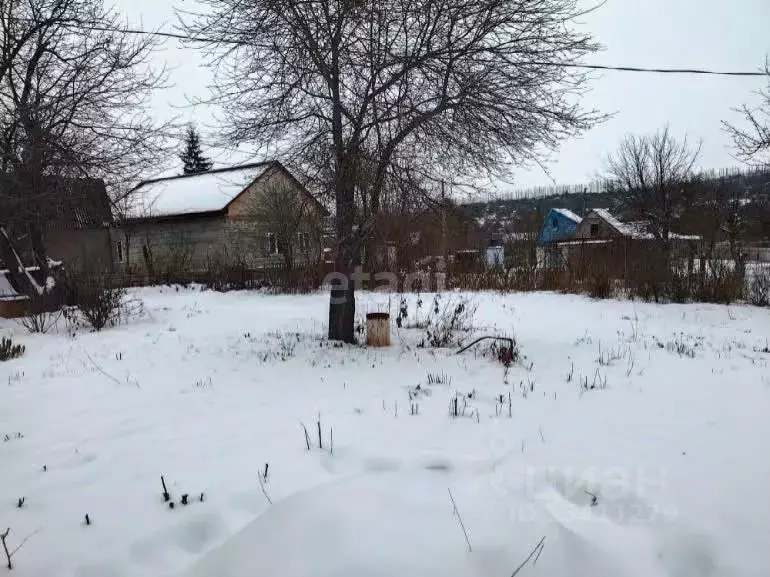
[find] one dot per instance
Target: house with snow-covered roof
(253, 215)
(600, 237)
(559, 224)
(600, 224)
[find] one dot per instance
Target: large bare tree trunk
(342, 300)
(342, 313)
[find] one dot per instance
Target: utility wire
(635, 69)
(661, 70)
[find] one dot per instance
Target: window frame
(273, 247)
(120, 254)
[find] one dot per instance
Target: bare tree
(73, 91)
(452, 86)
(654, 172)
(717, 215)
(752, 141)
(291, 217)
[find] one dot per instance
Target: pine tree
(192, 157)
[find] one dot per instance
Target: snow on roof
(686, 236)
(636, 230)
(583, 241)
(607, 217)
(206, 192)
(567, 213)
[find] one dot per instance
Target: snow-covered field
(660, 468)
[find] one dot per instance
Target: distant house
(253, 214)
(559, 224)
(600, 224)
(601, 239)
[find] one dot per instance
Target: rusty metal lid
(377, 316)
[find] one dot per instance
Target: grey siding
(195, 243)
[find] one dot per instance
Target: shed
(74, 215)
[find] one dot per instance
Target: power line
(663, 70)
(634, 69)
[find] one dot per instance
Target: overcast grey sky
(714, 34)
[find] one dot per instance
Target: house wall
(243, 206)
(92, 246)
(193, 244)
(605, 231)
(198, 241)
(549, 233)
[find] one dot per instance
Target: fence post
(625, 261)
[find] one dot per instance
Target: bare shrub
(758, 290)
(297, 280)
(680, 288)
(96, 300)
(227, 270)
(42, 314)
(175, 264)
(447, 319)
(420, 318)
(719, 284)
(598, 284)
(40, 321)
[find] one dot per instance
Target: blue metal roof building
(559, 224)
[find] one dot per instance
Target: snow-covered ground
(661, 469)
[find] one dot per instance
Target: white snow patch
(209, 387)
(569, 214)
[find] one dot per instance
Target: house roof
(620, 227)
(203, 193)
(206, 192)
(637, 230)
(567, 213)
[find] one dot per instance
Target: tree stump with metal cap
(378, 330)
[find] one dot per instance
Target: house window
(119, 250)
(303, 241)
(554, 222)
(595, 229)
(272, 243)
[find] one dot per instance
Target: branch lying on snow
(3, 537)
(460, 519)
(534, 553)
(264, 491)
(307, 437)
(9, 554)
(105, 373)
